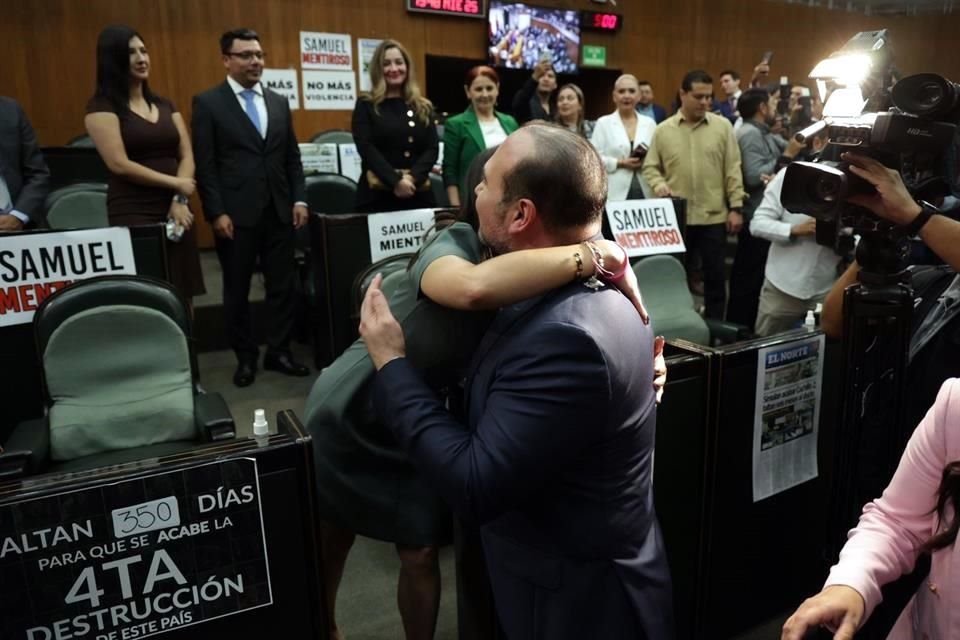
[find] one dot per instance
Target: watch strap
(927, 211)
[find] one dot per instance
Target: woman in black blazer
(395, 136)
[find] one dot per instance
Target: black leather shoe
(285, 364)
(245, 374)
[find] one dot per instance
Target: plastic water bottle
(260, 426)
(174, 231)
(810, 322)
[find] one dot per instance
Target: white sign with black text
(645, 227)
(398, 232)
(351, 164)
(329, 90)
(32, 266)
(365, 49)
(325, 51)
(284, 82)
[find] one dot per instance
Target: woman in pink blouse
(917, 513)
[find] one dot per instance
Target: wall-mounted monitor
(521, 35)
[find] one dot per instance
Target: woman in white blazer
(622, 138)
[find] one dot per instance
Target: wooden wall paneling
(48, 46)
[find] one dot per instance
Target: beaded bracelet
(579, 274)
(598, 263)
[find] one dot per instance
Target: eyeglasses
(247, 56)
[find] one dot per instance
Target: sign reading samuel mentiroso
(134, 558)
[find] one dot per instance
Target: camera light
(844, 102)
(846, 69)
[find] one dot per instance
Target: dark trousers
(746, 278)
(273, 241)
(476, 614)
(709, 242)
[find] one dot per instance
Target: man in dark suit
(557, 460)
(251, 184)
(24, 177)
(645, 104)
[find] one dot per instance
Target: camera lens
(928, 95)
(825, 188)
(925, 94)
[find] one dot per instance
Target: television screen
(521, 35)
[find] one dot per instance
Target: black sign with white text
(134, 558)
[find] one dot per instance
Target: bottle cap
(260, 426)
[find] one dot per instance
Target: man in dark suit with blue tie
(557, 460)
(251, 185)
(24, 177)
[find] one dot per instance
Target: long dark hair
(113, 68)
(948, 494)
(468, 204)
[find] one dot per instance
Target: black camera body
(907, 143)
(915, 138)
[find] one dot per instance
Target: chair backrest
(79, 210)
(336, 136)
(56, 194)
(117, 367)
(663, 283)
(388, 266)
(331, 194)
(83, 140)
(439, 191)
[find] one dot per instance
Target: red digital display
(465, 8)
(597, 21)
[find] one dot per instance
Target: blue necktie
(251, 108)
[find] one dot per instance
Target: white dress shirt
(492, 131)
(798, 266)
(611, 141)
(258, 101)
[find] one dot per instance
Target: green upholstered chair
(82, 140)
(83, 209)
(331, 193)
(663, 284)
(335, 136)
(57, 194)
(439, 191)
(327, 193)
(118, 380)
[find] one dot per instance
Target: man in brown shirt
(694, 155)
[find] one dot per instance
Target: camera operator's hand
(892, 201)
(805, 228)
(794, 148)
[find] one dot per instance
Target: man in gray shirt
(760, 151)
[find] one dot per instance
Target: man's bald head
(559, 171)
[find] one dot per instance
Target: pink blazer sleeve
(884, 544)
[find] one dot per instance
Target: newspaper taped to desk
(787, 415)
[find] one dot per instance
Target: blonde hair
(583, 106)
(411, 90)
